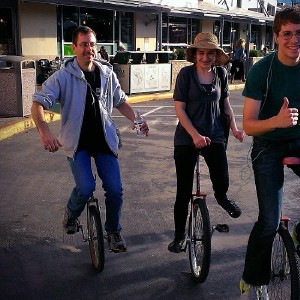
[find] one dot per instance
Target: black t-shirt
(202, 105)
(92, 136)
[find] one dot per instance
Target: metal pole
(159, 31)
(248, 45)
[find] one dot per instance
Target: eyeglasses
(287, 35)
(85, 45)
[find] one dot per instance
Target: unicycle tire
(200, 241)
(285, 281)
(95, 238)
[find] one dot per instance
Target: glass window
(127, 30)
(7, 42)
(71, 20)
(101, 21)
(230, 33)
(177, 30)
(195, 28)
(217, 29)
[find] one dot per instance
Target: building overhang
(204, 11)
(124, 5)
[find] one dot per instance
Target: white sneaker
(253, 292)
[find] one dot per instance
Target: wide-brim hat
(207, 41)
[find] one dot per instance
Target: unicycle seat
(291, 161)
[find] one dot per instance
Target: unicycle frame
(93, 234)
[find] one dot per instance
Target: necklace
(208, 89)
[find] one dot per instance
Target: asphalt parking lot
(38, 261)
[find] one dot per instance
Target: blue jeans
(108, 170)
(269, 178)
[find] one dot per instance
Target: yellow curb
(169, 95)
(149, 97)
(238, 86)
(20, 126)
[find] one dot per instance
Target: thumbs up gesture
(287, 117)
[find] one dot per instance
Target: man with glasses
(272, 102)
(87, 90)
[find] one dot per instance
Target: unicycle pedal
(222, 227)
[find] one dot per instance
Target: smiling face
(85, 50)
(288, 49)
(205, 58)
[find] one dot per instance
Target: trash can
(17, 84)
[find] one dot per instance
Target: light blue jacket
(69, 87)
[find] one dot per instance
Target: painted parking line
(152, 111)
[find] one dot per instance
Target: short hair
(82, 30)
(290, 14)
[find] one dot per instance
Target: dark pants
(237, 70)
(269, 178)
(185, 161)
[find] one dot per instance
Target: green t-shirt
(284, 81)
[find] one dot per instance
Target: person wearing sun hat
(207, 41)
(201, 92)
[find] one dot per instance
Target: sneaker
(70, 223)
(253, 292)
(296, 234)
(177, 245)
(116, 242)
(229, 205)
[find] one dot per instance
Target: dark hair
(290, 14)
(83, 30)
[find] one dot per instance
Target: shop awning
(125, 5)
(205, 9)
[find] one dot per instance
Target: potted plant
(181, 53)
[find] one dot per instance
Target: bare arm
(239, 134)
(198, 140)
(49, 141)
(126, 110)
(286, 117)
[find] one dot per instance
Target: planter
(151, 57)
(253, 60)
(136, 57)
(123, 58)
(163, 58)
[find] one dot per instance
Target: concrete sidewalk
(12, 125)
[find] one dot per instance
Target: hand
(50, 143)
(143, 127)
(239, 134)
(201, 141)
(287, 117)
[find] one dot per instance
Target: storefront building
(43, 28)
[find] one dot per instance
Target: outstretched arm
(49, 141)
